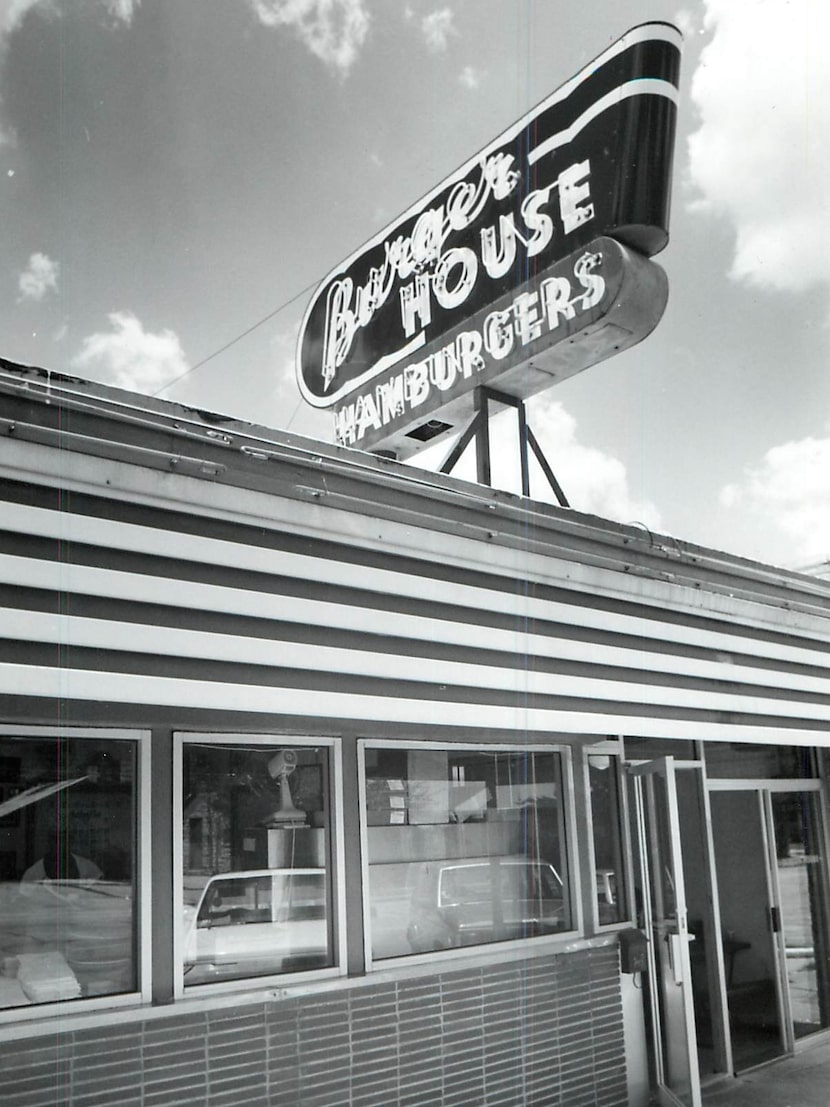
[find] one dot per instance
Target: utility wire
(294, 413)
(233, 341)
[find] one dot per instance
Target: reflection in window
(254, 854)
(753, 761)
(604, 783)
(647, 749)
(465, 847)
(67, 865)
(799, 847)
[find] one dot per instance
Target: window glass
(606, 828)
(257, 893)
(647, 749)
(753, 761)
(67, 868)
(464, 848)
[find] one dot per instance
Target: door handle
(775, 919)
(674, 941)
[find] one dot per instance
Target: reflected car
(486, 899)
(257, 923)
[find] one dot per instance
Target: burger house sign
(528, 264)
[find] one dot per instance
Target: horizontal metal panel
(216, 600)
(372, 506)
(172, 643)
(444, 681)
(64, 527)
(91, 686)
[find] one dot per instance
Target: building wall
(124, 586)
(158, 573)
(522, 1034)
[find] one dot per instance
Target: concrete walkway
(800, 1081)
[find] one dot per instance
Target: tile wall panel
(542, 1033)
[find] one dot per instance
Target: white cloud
(333, 30)
(39, 277)
(282, 406)
(11, 16)
(470, 78)
(130, 357)
(593, 482)
(122, 11)
(437, 27)
(761, 156)
(13, 11)
(790, 491)
(686, 22)
(283, 346)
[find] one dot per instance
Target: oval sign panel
(523, 267)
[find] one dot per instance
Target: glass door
(800, 911)
(748, 927)
(769, 853)
(665, 921)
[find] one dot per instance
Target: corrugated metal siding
(523, 1034)
(342, 592)
(107, 600)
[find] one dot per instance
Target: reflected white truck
(256, 923)
(484, 899)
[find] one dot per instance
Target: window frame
(614, 750)
(570, 853)
(142, 883)
(335, 855)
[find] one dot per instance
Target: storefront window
(255, 848)
(606, 829)
(67, 868)
(465, 847)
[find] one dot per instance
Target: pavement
(800, 1081)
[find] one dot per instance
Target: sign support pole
(481, 403)
(479, 428)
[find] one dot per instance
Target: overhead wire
(244, 334)
(233, 341)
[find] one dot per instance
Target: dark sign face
(593, 160)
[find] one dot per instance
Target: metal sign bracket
(479, 428)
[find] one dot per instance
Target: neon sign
(388, 334)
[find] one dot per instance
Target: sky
(177, 176)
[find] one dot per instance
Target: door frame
(649, 846)
(764, 789)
